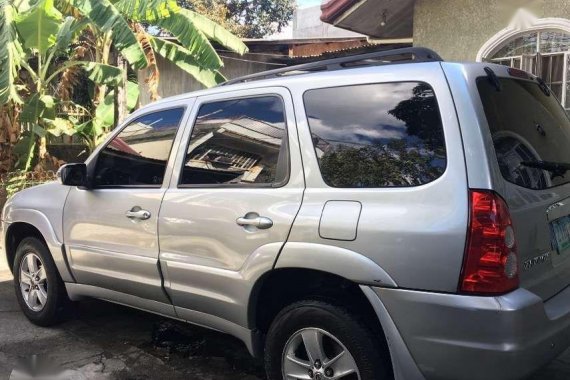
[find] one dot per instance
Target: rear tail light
(490, 265)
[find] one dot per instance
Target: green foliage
(103, 74)
(94, 131)
(105, 112)
(11, 54)
(185, 60)
(39, 26)
(264, 17)
(192, 38)
(58, 41)
(148, 11)
(247, 18)
(215, 31)
(16, 182)
(60, 126)
(20, 180)
(37, 107)
(24, 149)
(67, 33)
(108, 19)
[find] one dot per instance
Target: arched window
(543, 53)
(537, 45)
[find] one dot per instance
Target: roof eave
(333, 9)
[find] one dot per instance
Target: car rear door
(110, 230)
(527, 125)
(236, 188)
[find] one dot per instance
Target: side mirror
(73, 175)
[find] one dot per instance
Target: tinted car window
(138, 155)
(526, 125)
(238, 142)
(377, 135)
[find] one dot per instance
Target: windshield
(526, 125)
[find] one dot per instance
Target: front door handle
(254, 220)
(138, 213)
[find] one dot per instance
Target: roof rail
(405, 55)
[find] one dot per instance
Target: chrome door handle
(259, 222)
(138, 214)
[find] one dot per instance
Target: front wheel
(315, 340)
(39, 289)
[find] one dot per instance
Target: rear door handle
(260, 222)
(138, 213)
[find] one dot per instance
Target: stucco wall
(457, 29)
(307, 24)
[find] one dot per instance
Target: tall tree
(246, 18)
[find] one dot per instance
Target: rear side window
(377, 135)
(238, 142)
(527, 125)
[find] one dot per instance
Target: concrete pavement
(106, 341)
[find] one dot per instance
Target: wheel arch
(284, 286)
(25, 223)
(317, 260)
(15, 233)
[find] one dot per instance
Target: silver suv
(370, 217)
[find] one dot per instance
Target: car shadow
(119, 332)
(176, 343)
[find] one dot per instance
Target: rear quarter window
(377, 135)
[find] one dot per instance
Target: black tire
(360, 340)
(57, 301)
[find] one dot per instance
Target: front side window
(139, 154)
(377, 135)
(238, 142)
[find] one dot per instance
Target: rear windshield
(526, 125)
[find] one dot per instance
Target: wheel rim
(33, 281)
(315, 354)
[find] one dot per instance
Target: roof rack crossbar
(412, 54)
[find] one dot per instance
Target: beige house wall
(457, 29)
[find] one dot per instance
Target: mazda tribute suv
(379, 216)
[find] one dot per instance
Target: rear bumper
(464, 337)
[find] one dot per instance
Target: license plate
(561, 235)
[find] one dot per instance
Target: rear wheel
(39, 289)
(321, 341)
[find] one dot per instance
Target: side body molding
(40, 221)
(335, 260)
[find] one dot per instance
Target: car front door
(111, 229)
(236, 189)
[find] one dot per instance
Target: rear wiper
(558, 169)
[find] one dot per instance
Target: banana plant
(118, 23)
(43, 55)
(36, 59)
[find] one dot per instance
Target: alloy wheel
(33, 281)
(315, 354)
